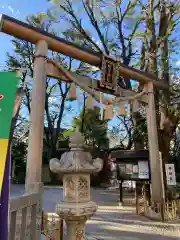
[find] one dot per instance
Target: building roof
(121, 154)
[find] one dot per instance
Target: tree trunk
(138, 145)
(165, 131)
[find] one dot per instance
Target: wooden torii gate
(43, 68)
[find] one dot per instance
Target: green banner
(8, 84)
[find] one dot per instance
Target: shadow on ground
(122, 223)
(126, 235)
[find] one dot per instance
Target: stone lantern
(76, 166)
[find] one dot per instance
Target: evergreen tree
(94, 129)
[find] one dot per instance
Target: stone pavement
(115, 223)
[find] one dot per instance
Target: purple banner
(5, 200)
(4, 207)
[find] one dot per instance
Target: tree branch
(94, 23)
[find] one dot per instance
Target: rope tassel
(108, 113)
(135, 105)
(72, 93)
(121, 109)
(89, 102)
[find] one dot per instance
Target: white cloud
(11, 9)
(178, 63)
(52, 99)
(98, 43)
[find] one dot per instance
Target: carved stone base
(76, 215)
(71, 211)
(76, 229)
(152, 214)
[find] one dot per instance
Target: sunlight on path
(112, 223)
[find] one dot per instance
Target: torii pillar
(157, 183)
(36, 131)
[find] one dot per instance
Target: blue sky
(18, 9)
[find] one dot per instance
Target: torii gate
(43, 68)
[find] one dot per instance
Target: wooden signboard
(133, 164)
(170, 174)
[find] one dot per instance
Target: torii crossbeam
(32, 34)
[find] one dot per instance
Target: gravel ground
(112, 222)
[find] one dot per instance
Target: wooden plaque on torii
(108, 74)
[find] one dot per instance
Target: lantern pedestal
(77, 165)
